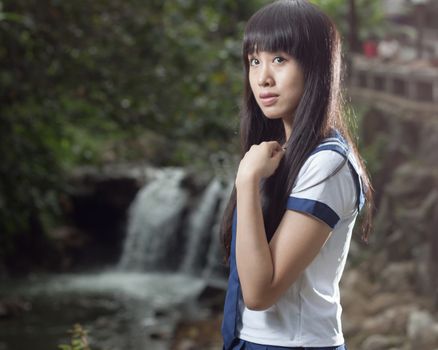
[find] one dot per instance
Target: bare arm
(267, 270)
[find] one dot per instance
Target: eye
(279, 59)
(253, 61)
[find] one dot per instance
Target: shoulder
(323, 161)
(327, 159)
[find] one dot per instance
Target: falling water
(215, 267)
(154, 217)
(199, 229)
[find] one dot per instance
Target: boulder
(381, 342)
(398, 277)
(212, 296)
(422, 330)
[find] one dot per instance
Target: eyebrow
(273, 53)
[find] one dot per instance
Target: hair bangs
(271, 29)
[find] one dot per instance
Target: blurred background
(119, 145)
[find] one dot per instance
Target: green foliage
(369, 16)
(79, 340)
(77, 78)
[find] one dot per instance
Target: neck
(287, 130)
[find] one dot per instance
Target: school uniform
(308, 314)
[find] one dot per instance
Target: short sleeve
(315, 192)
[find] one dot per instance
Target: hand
(260, 161)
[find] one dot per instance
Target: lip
(268, 99)
(267, 94)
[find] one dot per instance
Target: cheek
(293, 78)
(252, 83)
(295, 86)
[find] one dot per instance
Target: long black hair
(303, 31)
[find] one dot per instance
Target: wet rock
(68, 236)
(13, 307)
(198, 334)
(355, 296)
(398, 277)
(355, 303)
(381, 342)
(357, 280)
(422, 329)
(103, 322)
(386, 300)
(212, 296)
(160, 313)
(390, 321)
(187, 344)
(159, 335)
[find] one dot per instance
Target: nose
(265, 77)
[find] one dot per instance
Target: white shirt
(309, 312)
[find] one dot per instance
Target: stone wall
(390, 298)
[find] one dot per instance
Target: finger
(276, 143)
(278, 152)
(273, 146)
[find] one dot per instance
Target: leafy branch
(79, 339)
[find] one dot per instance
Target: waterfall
(215, 266)
(199, 230)
(169, 229)
(153, 218)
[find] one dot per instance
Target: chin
(272, 115)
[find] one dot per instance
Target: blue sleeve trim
(332, 147)
(318, 209)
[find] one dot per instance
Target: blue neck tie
(231, 307)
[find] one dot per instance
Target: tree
(355, 19)
(77, 74)
(353, 25)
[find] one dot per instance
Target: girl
(299, 187)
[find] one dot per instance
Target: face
(277, 82)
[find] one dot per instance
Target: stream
(119, 310)
(171, 249)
